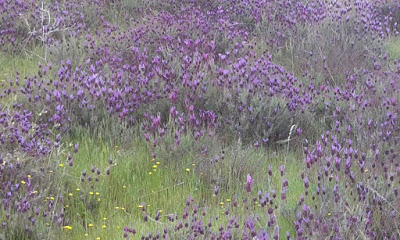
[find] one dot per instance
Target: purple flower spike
(249, 182)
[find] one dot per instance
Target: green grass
(177, 176)
(130, 184)
(393, 48)
(25, 64)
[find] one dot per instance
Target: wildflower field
(199, 119)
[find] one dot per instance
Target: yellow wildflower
(68, 227)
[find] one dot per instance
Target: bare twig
(48, 26)
(178, 184)
(384, 199)
(153, 220)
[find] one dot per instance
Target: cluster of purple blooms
(199, 69)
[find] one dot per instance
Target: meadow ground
(199, 119)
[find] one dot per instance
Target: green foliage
(393, 48)
(164, 184)
(24, 64)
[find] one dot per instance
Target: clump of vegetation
(199, 119)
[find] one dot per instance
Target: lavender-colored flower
(216, 190)
(249, 182)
